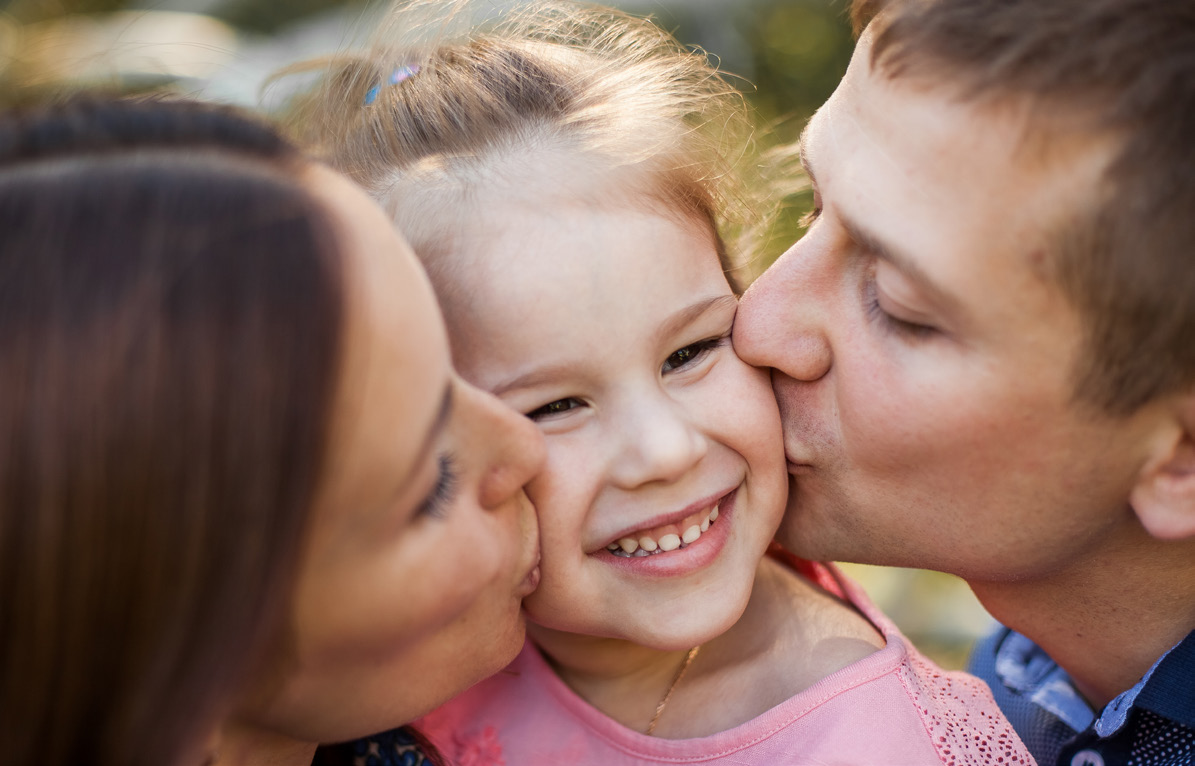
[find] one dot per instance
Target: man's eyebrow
(803, 153)
(872, 244)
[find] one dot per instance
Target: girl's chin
(668, 630)
(679, 638)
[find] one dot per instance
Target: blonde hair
(497, 105)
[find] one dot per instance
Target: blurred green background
(794, 51)
(790, 55)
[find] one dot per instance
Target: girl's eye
(551, 409)
(442, 495)
(686, 356)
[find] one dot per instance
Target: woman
(245, 503)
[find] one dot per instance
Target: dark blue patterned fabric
(1152, 724)
(399, 747)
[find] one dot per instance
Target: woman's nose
(514, 449)
(781, 322)
(657, 442)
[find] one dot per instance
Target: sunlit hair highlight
(500, 105)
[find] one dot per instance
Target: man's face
(923, 359)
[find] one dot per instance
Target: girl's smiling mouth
(669, 537)
(694, 535)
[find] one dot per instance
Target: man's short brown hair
(1128, 67)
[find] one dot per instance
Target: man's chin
(815, 531)
(802, 536)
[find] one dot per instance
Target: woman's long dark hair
(170, 322)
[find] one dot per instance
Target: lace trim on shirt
(962, 730)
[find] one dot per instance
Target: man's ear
(1164, 496)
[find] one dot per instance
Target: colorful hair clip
(397, 76)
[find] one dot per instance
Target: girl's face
(611, 330)
(422, 543)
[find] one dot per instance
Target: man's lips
(796, 464)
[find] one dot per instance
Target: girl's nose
(658, 443)
(513, 448)
(782, 317)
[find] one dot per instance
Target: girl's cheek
(750, 389)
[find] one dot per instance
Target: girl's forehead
(520, 256)
(567, 287)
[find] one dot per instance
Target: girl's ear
(1164, 496)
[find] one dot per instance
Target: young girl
(567, 174)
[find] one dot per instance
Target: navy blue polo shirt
(1151, 724)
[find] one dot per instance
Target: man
(984, 346)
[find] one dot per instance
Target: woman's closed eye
(442, 495)
(555, 409)
(692, 353)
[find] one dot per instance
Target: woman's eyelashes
(442, 495)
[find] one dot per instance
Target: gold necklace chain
(671, 688)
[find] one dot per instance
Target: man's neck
(1107, 622)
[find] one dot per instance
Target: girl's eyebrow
(534, 378)
(681, 319)
(669, 327)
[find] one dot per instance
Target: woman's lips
(530, 580)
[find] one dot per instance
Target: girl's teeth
(647, 545)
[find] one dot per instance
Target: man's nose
(782, 317)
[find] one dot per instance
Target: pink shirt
(891, 708)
